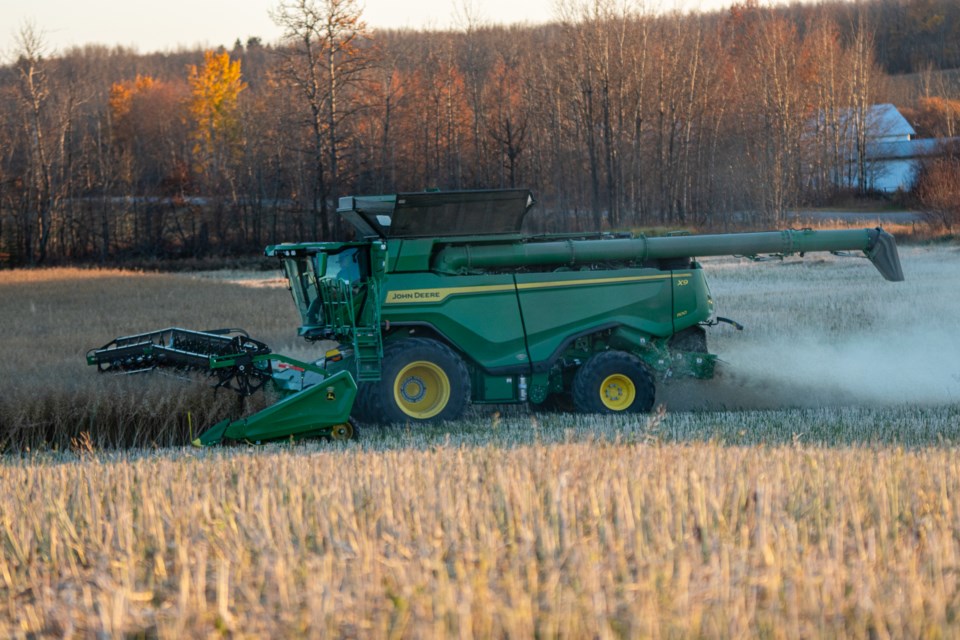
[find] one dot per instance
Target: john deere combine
(442, 300)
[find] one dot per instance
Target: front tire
(422, 381)
(364, 407)
(613, 382)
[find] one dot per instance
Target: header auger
(442, 300)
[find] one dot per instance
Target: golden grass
(52, 317)
(917, 232)
(68, 274)
(591, 539)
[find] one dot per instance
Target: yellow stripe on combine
(421, 296)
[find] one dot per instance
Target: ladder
(368, 341)
(339, 314)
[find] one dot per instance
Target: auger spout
(882, 252)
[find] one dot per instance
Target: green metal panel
(692, 303)
(311, 411)
(479, 314)
(498, 389)
(412, 255)
(558, 305)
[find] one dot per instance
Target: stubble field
(811, 490)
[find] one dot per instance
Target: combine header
(244, 366)
(442, 300)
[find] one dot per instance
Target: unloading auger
(443, 300)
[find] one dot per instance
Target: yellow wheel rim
(617, 392)
(341, 431)
(421, 390)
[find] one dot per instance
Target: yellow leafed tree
(214, 104)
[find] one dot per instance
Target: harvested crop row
(546, 540)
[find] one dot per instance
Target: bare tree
(323, 58)
(507, 118)
(863, 93)
(826, 135)
(475, 61)
(774, 64)
(46, 129)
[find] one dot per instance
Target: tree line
(615, 118)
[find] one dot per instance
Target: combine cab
(443, 301)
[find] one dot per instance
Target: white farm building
(891, 149)
(893, 154)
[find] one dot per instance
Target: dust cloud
(839, 336)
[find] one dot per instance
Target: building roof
(885, 121)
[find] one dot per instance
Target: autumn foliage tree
(149, 156)
(937, 117)
(938, 189)
(215, 89)
(147, 118)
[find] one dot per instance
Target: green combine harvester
(442, 300)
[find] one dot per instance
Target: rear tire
(692, 339)
(559, 402)
(422, 381)
(613, 382)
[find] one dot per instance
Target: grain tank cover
(432, 214)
